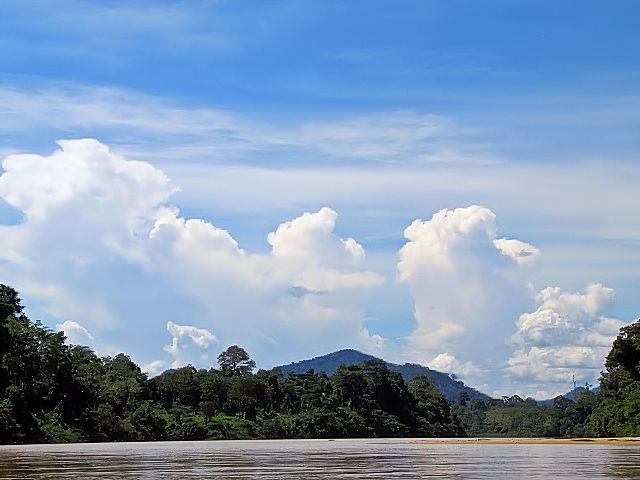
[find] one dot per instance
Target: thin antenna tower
(573, 378)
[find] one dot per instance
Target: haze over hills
(328, 363)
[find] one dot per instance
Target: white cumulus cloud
(154, 368)
(76, 334)
(467, 285)
(521, 252)
(99, 236)
(185, 339)
(448, 363)
(566, 335)
(78, 170)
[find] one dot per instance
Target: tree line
(51, 391)
(54, 392)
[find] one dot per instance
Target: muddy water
(316, 459)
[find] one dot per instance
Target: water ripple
(315, 459)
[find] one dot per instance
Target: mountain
(328, 363)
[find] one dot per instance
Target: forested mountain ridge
(328, 363)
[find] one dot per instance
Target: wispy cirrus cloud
(149, 127)
(93, 31)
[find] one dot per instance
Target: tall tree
(235, 361)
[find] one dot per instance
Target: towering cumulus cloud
(467, 285)
(100, 246)
(83, 209)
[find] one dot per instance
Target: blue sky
(246, 115)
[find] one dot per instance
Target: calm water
(315, 459)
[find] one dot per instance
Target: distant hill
(570, 395)
(328, 363)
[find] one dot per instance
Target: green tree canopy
(235, 361)
(618, 413)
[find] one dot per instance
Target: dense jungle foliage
(54, 392)
(515, 417)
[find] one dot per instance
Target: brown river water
(316, 459)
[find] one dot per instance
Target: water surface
(315, 459)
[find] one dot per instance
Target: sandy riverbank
(532, 441)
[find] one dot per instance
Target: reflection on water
(315, 459)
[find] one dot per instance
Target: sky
(447, 183)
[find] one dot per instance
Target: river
(316, 459)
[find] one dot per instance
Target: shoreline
(531, 441)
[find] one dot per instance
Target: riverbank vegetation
(54, 392)
(517, 417)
